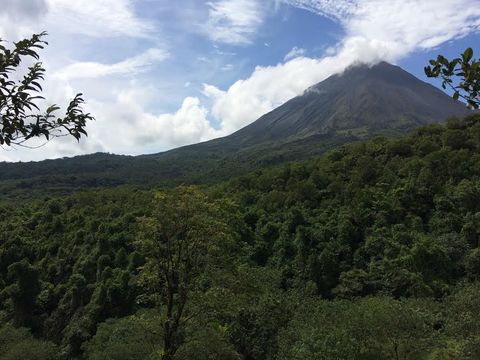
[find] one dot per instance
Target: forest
(371, 251)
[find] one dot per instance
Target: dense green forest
(371, 251)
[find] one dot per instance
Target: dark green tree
(19, 344)
(132, 337)
(23, 290)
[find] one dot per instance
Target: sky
(159, 74)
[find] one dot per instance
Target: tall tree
(20, 116)
(180, 243)
(23, 290)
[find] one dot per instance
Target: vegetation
(466, 69)
(19, 99)
(368, 252)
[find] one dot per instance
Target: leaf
(467, 55)
(52, 108)
(472, 104)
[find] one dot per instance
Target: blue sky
(158, 74)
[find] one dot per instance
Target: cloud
(295, 52)
(409, 25)
(186, 126)
(131, 66)
(139, 131)
(333, 9)
(234, 21)
(98, 19)
(123, 126)
(227, 67)
(25, 8)
(402, 25)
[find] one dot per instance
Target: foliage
(80, 251)
(132, 337)
(367, 220)
(466, 69)
(22, 291)
(18, 344)
(463, 320)
(371, 328)
(207, 343)
(19, 99)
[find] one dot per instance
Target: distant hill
(360, 103)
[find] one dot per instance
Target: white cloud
(333, 9)
(25, 8)
(98, 18)
(135, 130)
(409, 25)
(186, 126)
(234, 21)
(95, 18)
(227, 67)
(123, 126)
(402, 25)
(131, 66)
(294, 53)
(212, 91)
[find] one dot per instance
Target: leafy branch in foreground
(466, 68)
(19, 121)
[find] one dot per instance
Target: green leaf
(468, 54)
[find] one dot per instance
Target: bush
(19, 344)
(133, 337)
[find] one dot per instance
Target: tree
(19, 120)
(179, 242)
(463, 320)
(23, 290)
(18, 343)
(367, 328)
(466, 69)
(132, 337)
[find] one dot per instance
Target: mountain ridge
(362, 102)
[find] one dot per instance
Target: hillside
(360, 103)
